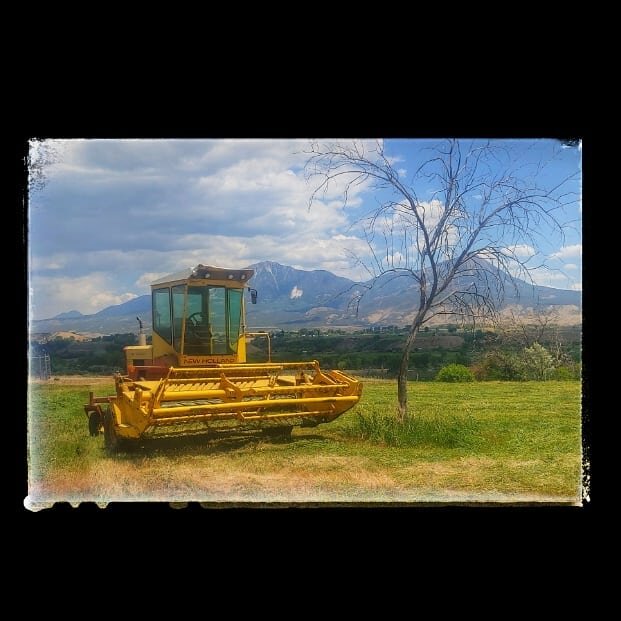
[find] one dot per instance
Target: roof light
(230, 276)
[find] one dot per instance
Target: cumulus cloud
(139, 209)
(147, 278)
(87, 294)
(116, 214)
(568, 252)
(296, 293)
(522, 251)
(431, 212)
(553, 278)
(341, 237)
(46, 263)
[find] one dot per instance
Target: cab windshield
(212, 319)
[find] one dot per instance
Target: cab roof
(206, 272)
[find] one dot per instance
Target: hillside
(290, 298)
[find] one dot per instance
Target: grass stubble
(479, 442)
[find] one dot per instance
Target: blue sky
(116, 214)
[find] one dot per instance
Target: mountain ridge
(72, 314)
(292, 298)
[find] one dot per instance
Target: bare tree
(534, 325)
(463, 244)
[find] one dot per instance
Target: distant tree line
(100, 355)
(488, 355)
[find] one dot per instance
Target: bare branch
(476, 239)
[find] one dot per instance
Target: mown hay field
(474, 442)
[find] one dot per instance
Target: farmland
(472, 442)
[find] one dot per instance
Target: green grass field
(478, 442)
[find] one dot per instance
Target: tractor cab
(198, 320)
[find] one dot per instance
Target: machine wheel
(111, 440)
(94, 423)
(278, 434)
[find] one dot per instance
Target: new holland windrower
(194, 377)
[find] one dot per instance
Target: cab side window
(161, 314)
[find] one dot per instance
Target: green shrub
(538, 362)
(499, 365)
(455, 373)
(565, 373)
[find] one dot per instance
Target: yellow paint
(220, 391)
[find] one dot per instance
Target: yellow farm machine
(194, 377)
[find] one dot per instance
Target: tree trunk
(402, 388)
(402, 377)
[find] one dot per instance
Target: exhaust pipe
(142, 337)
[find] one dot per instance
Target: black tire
(94, 423)
(111, 440)
(278, 434)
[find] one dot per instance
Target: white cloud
(522, 250)
(296, 293)
(570, 266)
(112, 274)
(568, 252)
(395, 159)
(139, 209)
(87, 294)
(431, 212)
(552, 278)
(116, 214)
(576, 286)
(147, 278)
(51, 262)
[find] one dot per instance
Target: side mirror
(253, 295)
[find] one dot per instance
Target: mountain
(391, 300)
(117, 319)
(289, 298)
(135, 306)
(72, 314)
(300, 287)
